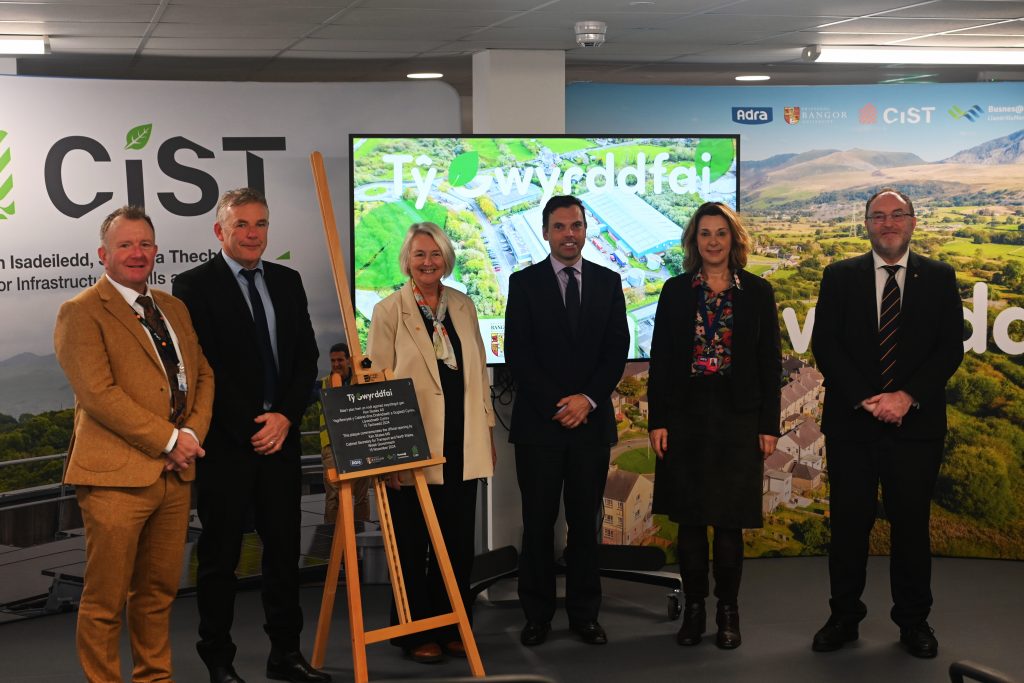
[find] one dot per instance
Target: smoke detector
(590, 33)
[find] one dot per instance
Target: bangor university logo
(868, 114)
(791, 115)
(972, 114)
(6, 179)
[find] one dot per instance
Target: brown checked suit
(135, 511)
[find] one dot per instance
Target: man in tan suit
(143, 401)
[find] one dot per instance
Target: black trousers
(692, 550)
(455, 504)
(236, 485)
(575, 474)
(907, 471)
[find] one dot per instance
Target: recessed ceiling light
(825, 54)
(754, 77)
(24, 45)
(425, 74)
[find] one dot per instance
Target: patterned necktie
(259, 318)
(572, 300)
(154, 322)
(888, 326)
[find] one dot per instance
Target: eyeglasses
(896, 216)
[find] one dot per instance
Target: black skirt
(713, 470)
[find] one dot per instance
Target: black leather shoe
(728, 619)
(695, 622)
(919, 640)
(224, 674)
(834, 634)
(535, 633)
(292, 666)
(591, 633)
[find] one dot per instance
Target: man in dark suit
(143, 397)
(888, 335)
(253, 324)
(565, 343)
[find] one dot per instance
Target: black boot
(727, 589)
(728, 619)
(695, 622)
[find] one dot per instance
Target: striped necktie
(888, 326)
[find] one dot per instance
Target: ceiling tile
(18, 11)
(355, 45)
(973, 10)
(424, 19)
(182, 30)
(227, 17)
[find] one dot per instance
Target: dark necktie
(888, 327)
(154, 322)
(259, 318)
(572, 300)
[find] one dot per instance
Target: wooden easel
(343, 544)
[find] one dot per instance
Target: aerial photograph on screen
(487, 195)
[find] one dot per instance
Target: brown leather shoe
(455, 648)
(427, 653)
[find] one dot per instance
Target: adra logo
(6, 179)
(137, 138)
(713, 160)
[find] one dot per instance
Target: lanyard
(166, 344)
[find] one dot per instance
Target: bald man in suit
(143, 402)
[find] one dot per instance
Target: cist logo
(971, 115)
(6, 179)
(752, 116)
(791, 115)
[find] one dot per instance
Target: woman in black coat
(714, 391)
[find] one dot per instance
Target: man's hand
(767, 444)
(572, 411)
(186, 450)
(270, 438)
(889, 407)
(659, 441)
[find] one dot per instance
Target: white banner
(71, 151)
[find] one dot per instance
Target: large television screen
(487, 193)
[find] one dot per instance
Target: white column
(9, 66)
(519, 91)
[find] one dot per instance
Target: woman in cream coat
(430, 334)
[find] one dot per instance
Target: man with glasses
(888, 335)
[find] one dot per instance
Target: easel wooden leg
(323, 626)
(387, 532)
(355, 600)
(448, 574)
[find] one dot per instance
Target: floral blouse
(713, 356)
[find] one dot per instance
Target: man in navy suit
(254, 327)
(566, 341)
(888, 335)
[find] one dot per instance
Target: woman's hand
(393, 481)
(767, 443)
(659, 441)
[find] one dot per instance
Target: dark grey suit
(863, 451)
(549, 362)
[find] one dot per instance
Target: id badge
(707, 364)
(182, 381)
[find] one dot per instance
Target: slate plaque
(374, 425)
